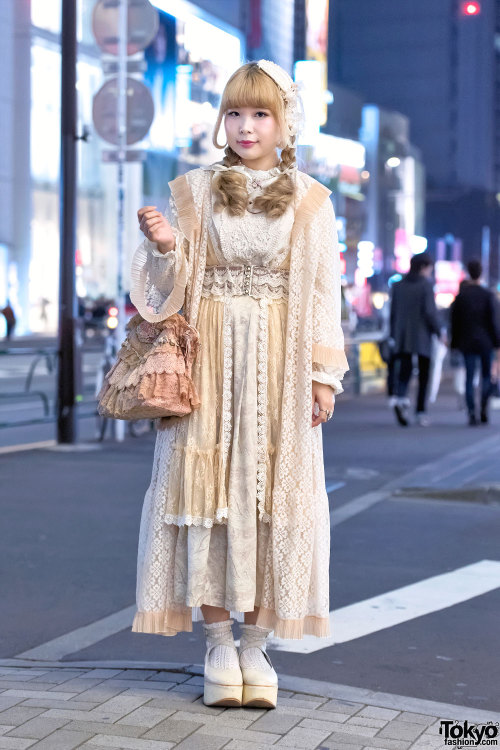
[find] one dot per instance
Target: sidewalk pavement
(50, 706)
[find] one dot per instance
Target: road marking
(334, 486)
(122, 620)
(81, 638)
(358, 505)
(401, 605)
(28, 446)
(429, 475)
(432, 474)
(346, 624)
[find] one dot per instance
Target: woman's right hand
(156, 228)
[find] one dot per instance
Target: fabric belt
(255, 281)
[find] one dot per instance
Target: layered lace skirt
(205, 533)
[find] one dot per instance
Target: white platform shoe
(223, 679)
(260, 681)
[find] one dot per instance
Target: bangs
(252, 88)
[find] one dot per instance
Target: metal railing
(49, 356)
(353, 381)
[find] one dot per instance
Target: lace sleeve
(329, 360)
(159, 279)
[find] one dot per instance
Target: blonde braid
(230, 188)
(277, 196)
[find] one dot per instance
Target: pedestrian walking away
(413, 321)
(475, 332)
(235, 522)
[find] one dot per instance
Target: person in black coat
(475, 331)
(413, 321)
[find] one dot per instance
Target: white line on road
(429, 475)
(27, 446)
(401, 605)
(334, 486)
(121, 620)
(358, 505)
(82, 637)
(346, 624)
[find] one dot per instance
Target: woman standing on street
(235, 522)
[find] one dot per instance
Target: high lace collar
(261, 174)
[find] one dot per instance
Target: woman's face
(253, 134)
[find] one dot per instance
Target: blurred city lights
(393, 162)
(365, 258)
(337, 150)
(308, 74)
(418, 244)
(394, 278)
(471, 8)
(378, 300)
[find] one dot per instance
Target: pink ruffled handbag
(151, 377)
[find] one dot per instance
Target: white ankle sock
(224, 654)
(252, 657)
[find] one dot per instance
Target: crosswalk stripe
(401, 605)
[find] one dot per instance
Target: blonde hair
(249, 86)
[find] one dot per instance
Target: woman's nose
(245, 125)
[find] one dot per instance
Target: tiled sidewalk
(61, 707)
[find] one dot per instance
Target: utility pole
(121, 118)
(69, 336)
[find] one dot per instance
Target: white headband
(294, 111)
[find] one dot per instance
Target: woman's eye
(232, 113)
(264, 114)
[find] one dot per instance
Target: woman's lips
(247, 144)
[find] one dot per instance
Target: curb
(294, 684)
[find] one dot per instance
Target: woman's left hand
(322, 395)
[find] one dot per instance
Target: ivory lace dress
(206, 522)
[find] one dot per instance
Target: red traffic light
(113, 311)
(471, 8)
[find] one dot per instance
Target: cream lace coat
(278, 561)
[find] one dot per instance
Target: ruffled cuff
(153, 246)
(329, 376)
(158, 283)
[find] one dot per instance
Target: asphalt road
(73, 516)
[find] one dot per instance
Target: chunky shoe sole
(260, 696)
(222, 695)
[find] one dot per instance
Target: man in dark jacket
(414, 320)
(475, 331)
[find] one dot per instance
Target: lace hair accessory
(294, 110)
